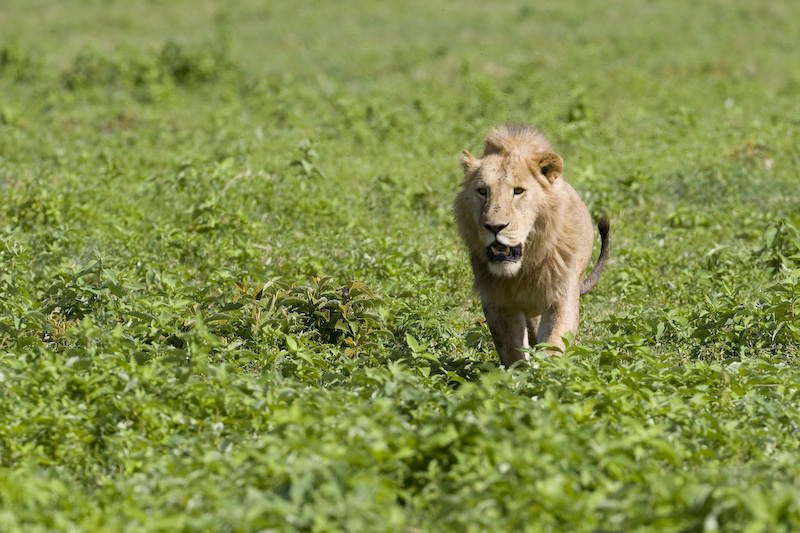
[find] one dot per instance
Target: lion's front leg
(556, 322)
(509, 332)
(533, 329)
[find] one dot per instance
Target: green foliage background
(232, 297)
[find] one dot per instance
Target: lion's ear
(549, 164)
(469, 162)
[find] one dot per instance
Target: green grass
(232, 296)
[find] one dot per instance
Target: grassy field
(232, 296)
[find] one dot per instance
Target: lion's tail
(603, 225)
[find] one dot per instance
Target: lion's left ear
(549, 164)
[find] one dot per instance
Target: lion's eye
(518, 190)
(482, 191)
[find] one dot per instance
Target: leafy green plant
(149, 75)
(734, 324)
(781, 245)
(199, 63)
(31, 206)
(346, 316)
(307, 160)
(90, 68)
(18, 63)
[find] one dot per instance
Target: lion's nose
(495, 229)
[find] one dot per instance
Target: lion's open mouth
(499, 253)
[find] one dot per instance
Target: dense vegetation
(232, 297)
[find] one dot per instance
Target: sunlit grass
(232, 296)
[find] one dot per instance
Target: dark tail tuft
(604, 226)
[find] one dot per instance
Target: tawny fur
(517, 186)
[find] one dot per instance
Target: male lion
(530, 239)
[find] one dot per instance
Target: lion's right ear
(469, 162)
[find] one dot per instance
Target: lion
(530, 240)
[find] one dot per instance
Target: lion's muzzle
(500, 253)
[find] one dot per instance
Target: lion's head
(503, 195)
